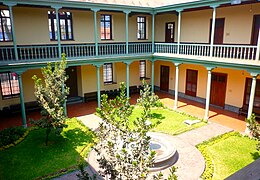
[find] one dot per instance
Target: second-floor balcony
(37, 53)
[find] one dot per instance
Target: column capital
(127, 62)
(215, 5)
(10, 4)
(254, 74)
(95, 9)
(210, 68)
(127, 11)
(153, 13)
(177, 64)
(56, 7)
(98, 65)
(179, 10)
(20, 72)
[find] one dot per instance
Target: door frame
(161, 67)
(166, 28)
(225, 92)
(215, 30)
(253, 29)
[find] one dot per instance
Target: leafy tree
(51, 94)
(123, 151)
(254, 127)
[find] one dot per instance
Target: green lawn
(231, 154)
(171, 121)
(31, 158)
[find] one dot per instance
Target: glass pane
(107, 18)
(14, 83)
(5, 84)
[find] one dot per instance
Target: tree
(123, 151)
(51, 95)
(254, 127)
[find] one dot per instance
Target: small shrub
(10, 135)
(254, 127)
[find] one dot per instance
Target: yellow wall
(195, 25)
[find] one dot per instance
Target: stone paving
(190, 164)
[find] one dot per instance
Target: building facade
(205, 51)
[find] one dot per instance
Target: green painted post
(126, 30)
(98, 84)
(24, 123)
(10, 7)
(206, 117)
(152, 80)
(95, 29)
(176, 85)
(65, 102)
(153, 19)
(58, 28)
(127, 78)
(179, 30)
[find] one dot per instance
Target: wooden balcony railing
(81, 51)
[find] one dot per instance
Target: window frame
(11, 95)
(104, 28)
(142, 63)
(105, 72)
(2, 26)
(65, 16)
(190, 92)
(139, 32)
(248, 84)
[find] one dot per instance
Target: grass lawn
(171, 121)
(31, 158)
(232, 154)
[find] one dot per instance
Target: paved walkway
(190, 164)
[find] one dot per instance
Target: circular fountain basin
(165, 152)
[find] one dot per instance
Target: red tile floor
(217, 115)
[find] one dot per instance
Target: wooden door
(191, 82)
(164, 78)
(72, 81)
(169, 32)
(255, 29)
(218, 89)
(219, 30)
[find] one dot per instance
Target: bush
(10, 135)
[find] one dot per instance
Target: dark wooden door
(191, 82)
(72, 81)
(169, 32)
(218, 89)
(255, 29)
(219, 30)
(164, 78)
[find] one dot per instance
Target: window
(141, 27)
(248, 90)
(191, 82)
(5, 26)
(66, 32)
(106, 27)
(9, 85)
(108, 73)
(142, 69)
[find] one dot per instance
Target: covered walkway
(217, 115)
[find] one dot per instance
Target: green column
(126, 30)
(206, 117)
(152, 80)
(10, 7)
(65, 102)
(98, 84)
(24, 123)
(58, 28)
(179, 30)
(127, 78)
(153, 19)
(212, 30)
(176, 86)
(95, 29)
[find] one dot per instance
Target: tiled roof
(142, 3)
